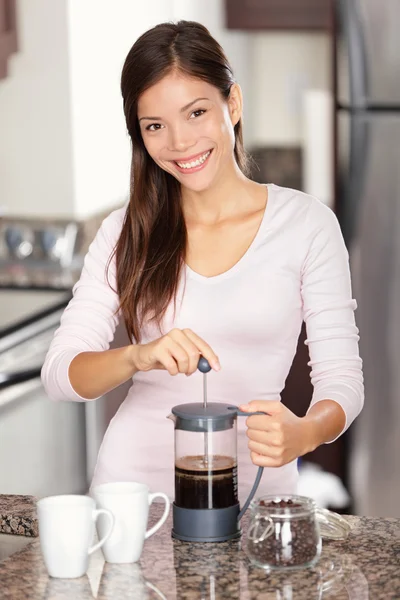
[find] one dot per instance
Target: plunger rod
(204, 367)
(205, 406)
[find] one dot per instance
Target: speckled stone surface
(364, 567)
(18, 515)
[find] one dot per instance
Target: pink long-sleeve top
(295, 269)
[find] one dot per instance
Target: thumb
(269, 407)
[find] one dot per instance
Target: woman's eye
(153, 127)
(197, 113)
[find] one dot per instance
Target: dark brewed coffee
(201, 484)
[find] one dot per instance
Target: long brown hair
(151, 248)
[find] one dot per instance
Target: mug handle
(165, 514)
(110, 517)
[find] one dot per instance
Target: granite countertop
(365, 566)
(18, 515)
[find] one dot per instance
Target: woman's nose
(180, 139)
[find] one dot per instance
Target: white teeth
(195, 163)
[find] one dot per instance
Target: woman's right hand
(176, 352)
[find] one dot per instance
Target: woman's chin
(197, 184)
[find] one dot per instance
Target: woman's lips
(202, 159)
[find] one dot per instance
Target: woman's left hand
(277, 437)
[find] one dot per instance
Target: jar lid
(332, 525)
(194, 416)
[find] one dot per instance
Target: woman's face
(188, 128)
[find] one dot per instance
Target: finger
(204, 348)
(264, 450)
(190, 348)
(270, 407)
(264, 461)
(166, 360)
(261, 422)
(263, 437)
(178, 353)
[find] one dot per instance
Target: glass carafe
(206, 506)
(205, 463)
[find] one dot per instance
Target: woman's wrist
(311, 435)
(324, 422)
(133, 358)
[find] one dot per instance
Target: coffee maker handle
(257, 480)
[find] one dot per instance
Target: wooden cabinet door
(278, 14)
(8, 33)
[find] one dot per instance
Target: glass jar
(285, 531)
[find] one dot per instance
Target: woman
(203, 260)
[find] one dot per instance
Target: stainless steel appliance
(42, 443)
(368, 207)
(39, 253)
(39, 263)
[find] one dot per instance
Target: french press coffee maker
(206, 506)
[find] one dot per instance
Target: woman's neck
(224, 199)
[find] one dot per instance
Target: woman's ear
(235, 103)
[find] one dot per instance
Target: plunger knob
(203, 365)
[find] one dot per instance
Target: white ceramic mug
(66, 530)
(129, 503)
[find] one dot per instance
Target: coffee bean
(294, 541)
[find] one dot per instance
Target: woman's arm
(79, 364)
(280, 437)
(332, 338)
(93, 374)
(323, 423)
(80, 346)
(328, 312)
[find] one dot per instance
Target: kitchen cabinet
(279, 14)
(8, 33)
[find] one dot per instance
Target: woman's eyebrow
(191, 104)
(183, 109)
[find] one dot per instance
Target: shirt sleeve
(328, 311)
(90, 319)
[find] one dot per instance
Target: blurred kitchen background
(321, 83)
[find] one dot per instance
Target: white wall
(100, 36)
(282, 65)
(64, 150)
(35, 123)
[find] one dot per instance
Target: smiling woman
(204, 261)
(182, 142)
(181, 74)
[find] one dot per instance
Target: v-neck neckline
(243, 260)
